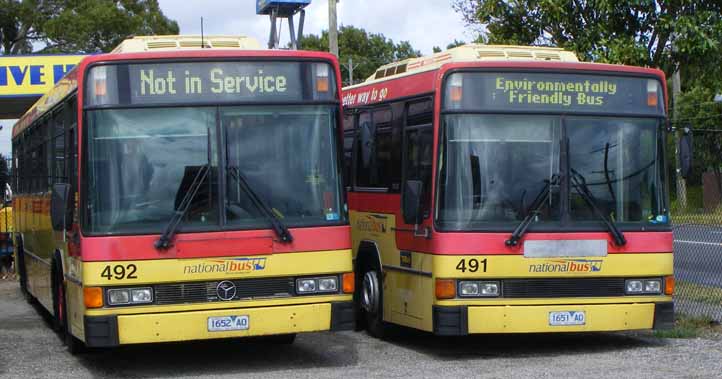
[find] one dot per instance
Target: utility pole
(332, 28)
(681, 182)
(350, 68)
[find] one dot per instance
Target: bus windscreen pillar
(276, 9)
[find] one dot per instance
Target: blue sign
(284, 7)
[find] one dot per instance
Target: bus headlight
(118, 296)
(129, 296)
(478, 289)
(141, 295)
(643, 286)
(324, 284)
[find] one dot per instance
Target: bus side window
(418, 147)
(374, 163)
(57, 158)
(71, 148)
(349, 132)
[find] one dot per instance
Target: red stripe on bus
(215, 244)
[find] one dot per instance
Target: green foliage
(84, 26)
(367, 50)
(452, 45)
(637, 33)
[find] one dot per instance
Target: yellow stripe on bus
(188, 270)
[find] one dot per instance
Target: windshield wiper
(534, 208)
(164, 242)
(580, 184)
(281, 230)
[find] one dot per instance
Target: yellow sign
(33, 75)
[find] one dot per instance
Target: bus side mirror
(413, 192)
(685, 153)
(60, 207)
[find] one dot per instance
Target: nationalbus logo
(227, 266)
(567, 265)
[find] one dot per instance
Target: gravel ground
(28, 348)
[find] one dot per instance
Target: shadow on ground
(519, 345)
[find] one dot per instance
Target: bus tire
(74, 345)
(372, 299)
(23, 271)
(58, 288)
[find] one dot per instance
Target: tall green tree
(656, 33)
(85, 26)
(366, 50)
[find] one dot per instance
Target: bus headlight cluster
(317, 285)
(478, 288)
(643, 286)
(127, 296)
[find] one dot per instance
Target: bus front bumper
(114, 330)
(463, 320)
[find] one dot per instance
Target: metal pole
(681, 183)
(332, 28)
(292, 31)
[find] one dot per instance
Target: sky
(424, 23)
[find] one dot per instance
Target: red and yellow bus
(173, 191)
(501, 189)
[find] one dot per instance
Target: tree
(368, 51)
(78, 26)
(452, 45)
(639, 33)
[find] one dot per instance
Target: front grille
(578, 287)
(202, 292)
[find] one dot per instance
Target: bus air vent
(491, 54)
(194, 44)
(548, 56)
(226, 44)
(160, 44)
(520, 54)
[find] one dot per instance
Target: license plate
(226, 323)
(567, 318)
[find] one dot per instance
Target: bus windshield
(494, 165)
(142, 161)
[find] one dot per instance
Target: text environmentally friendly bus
(166, 192)
(500, 189)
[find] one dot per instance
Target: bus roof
(171, 43)
(155, 47)
(472, 52)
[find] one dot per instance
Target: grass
(699, 293)
(695, 213)
(690, 327)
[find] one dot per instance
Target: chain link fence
(696, 206)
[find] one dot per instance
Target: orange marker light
(322, 84)
(93, 297)
(101, 89)
(445, 288)
(456, 94)
(349, 282)
(652, 98)
(669, 285)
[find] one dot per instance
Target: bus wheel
(372, 302)
(74, 345)
(22, 271)
(56, 275)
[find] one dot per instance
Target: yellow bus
(181, 188)
(503, 189)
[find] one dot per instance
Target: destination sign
(553, 93)
(203, 82)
